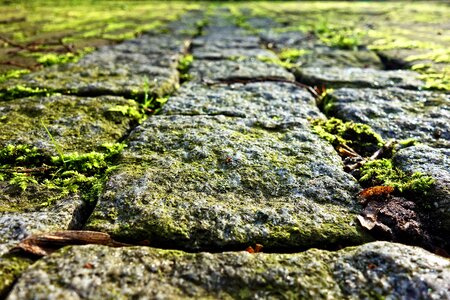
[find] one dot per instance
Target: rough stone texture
(271, 103)
(436, 163)
(213, 53)
(76, 123)
(395, 113)
(128, 80)
(15, 225)
(11, 266)
(114, 70)
(328, 58)
(231, 40)
(374, 270)
(206, 182)
(359, 77)
(248, 68)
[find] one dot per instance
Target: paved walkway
(234, 159)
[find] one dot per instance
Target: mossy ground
(40, 33)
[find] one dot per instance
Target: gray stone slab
(374, 270)
(396, 113)
(223, 70)
(359, 77)
(111, 79)
(435, 163)
(76, 123)
(231, 40)
(200, 182)
(19, 223)
(215, 53)
(328, 57)
(145, 65)
(149, 44)
(271, 103)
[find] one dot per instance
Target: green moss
(348, 38)
(49, 59)
(68, 173)
(184, 64)
(382, 172)
(11, 267)
(275, 61)
(359, 137)
(290, 55)
(13, 74)
(20, 91)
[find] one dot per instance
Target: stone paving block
(231, 40)
(396, 113)
(149, 44)
(271, 103)
(435, 163)
(22, 213)
(211, 53)
(374, 270)
(112, 71)
(209, 182)
(328, 57)
(76, 123)
(334, 77)
(242, 69)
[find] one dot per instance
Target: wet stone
(334, 77)
(374, 270)
(201, 182)
(242, 69)
(435, 163)
(396, 113)
(76, 123)
(271, 103)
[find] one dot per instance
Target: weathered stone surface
(148, 44)
(11, 266)
(110, 79)
(234, 39)
(374, 270)
(209, 182)
(291, 39)
(359, 77)
(213, 53)
(436, 163)
(328, 58)
(76, 123)
(223, 70)
(396, 113)
(146, 65)
(17, 223)
(272, 103)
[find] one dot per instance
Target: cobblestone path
(243, 151)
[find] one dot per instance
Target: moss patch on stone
(383, 172)
(11, 266)
(359, 137)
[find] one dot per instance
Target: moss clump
(49, 59)
(24, 165)
(11, 267)
(184, 64)
(20, 91)
(382, 172)
(13, 74)
(357, 136)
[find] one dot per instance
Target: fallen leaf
(46, 243)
